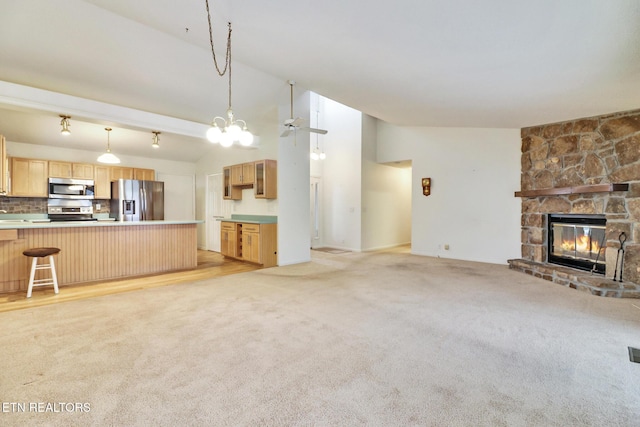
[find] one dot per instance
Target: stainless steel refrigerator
(134, 200)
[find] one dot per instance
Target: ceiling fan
(294, 125)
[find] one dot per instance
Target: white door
(179, 196)
(316, 212)
(217, 208)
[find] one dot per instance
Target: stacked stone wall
(595, 150)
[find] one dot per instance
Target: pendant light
(108, 157)
(232, 129)
(65, 125)
(316, 154)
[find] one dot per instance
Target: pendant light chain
(234, 129)
(227, 65)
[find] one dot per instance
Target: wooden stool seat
(37, 253)
(40, 252)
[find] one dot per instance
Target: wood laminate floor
(210, 264)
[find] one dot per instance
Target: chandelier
(230, 129)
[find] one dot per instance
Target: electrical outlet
(98, 207)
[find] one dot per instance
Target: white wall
(386, 196)
(342, 201)
(293, 185)
(474, 173)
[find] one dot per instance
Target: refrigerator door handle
(143, 200)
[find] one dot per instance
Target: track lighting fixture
(155, 139)
(65, 124)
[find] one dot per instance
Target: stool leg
(32, 276)
(53, 274)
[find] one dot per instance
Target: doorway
(216, 208)
(180, 191)
(315, 224)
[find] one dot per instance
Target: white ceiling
(463, 63)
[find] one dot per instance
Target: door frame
(315, 208)
(213, 212)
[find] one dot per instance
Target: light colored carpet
(385, 339)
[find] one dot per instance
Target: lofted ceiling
(460, 63)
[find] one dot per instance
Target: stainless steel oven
(70, 210)
(68, 188)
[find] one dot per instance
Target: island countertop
(93, 251)
(35, 223)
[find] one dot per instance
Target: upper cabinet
(144, 174)
(102, 178)
(59, 169)
(4, 167)
(266, 179)
(120, 172)
(29, 177)
(242, 175)
(80, 170)
(262, 175)
(230, 192)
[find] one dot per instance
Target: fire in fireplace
(577, 241)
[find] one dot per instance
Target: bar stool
(36, 253)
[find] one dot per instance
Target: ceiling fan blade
(297, 121)
(286, 132)
(314, 130)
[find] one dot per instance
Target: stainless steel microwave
(68, 188)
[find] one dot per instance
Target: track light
(155, 139)
(65, 124)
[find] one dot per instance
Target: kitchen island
(97, 250)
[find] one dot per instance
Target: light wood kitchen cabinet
(266, 179)
(255, 243)
(102, 178)
(29, 177)
(4, 167)
(251, 243)
(60, 169)
(120, 172)
(228, 239)
(80, 170)
(144, 174)
(229, 191)
(243, 174)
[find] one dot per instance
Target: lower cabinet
(251, 243)
(228, 239)
(256, 243)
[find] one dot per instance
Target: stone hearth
(572, 155)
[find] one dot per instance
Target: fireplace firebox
(577, 241)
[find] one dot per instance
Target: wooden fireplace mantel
(580, 189)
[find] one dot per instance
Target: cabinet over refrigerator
(134, 200)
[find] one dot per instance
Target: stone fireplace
(588, 167)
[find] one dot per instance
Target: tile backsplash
(37, 205)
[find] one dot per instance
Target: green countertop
(251, 219)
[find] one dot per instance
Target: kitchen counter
(35, 223)
(251, 219)
(97, 250)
